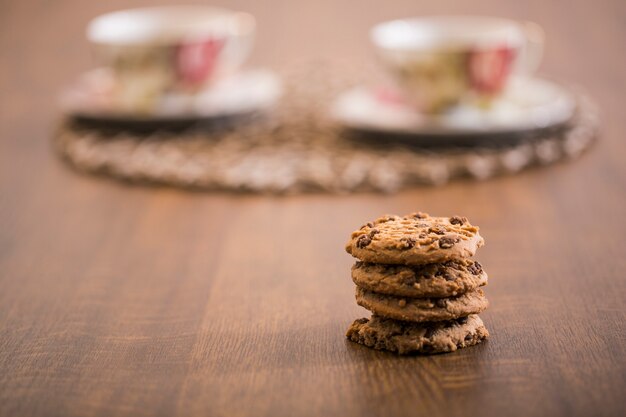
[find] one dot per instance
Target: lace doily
(297, 148)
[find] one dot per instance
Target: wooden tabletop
(120, 300)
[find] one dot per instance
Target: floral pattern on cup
(195, 61)
(488, 70)
(439, 80)
(154, 51)
(442, 61)
(142, 75)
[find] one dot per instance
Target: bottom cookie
(407, 337)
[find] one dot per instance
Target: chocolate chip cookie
(414, 239)
(406, 337)
(445, 279)
(422, 309)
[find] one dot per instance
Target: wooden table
(118, 300)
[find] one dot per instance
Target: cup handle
(532, 52)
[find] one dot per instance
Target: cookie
(415, 239)
(422, 309)
(406, 337)
(446, 279)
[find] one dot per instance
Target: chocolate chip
(458, 220)
(407, 242)
(422, 235)
(386, 219)
(468, 337)
(446, 242)
(363, 241)
(452, 264)
(462, 320)
(373, 232)
(368, 224)
(438, 230)
(476, 268)
(358, 264)
(420, 215)
(441, 303)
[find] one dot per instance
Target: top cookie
(415, 239)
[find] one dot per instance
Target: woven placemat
(297, 148)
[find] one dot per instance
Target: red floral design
(389, 96)
(488, 69)
(195, 61)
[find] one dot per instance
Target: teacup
(445, 60)
(156, 50)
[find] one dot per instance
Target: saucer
(246, 92)
(527, 105)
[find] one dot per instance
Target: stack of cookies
(415, 275)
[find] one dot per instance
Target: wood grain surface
(118, 300)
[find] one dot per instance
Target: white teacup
(444, 60)
(156, 50)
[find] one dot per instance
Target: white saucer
(527, 104)
(245, 92)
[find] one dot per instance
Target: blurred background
(46, 42)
